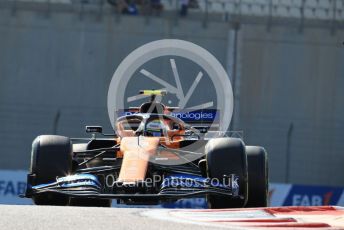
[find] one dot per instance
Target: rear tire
(258, 180)
(227, 156)
(51, 157)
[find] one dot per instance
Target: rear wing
(201, 117)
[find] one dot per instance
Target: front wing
(172, 188)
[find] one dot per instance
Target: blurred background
(285, 59)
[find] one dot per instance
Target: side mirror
(94, 129)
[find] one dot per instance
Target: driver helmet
(155, 128)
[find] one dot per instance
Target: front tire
(51, 157)
(227, 156)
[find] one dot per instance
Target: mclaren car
(152, 157)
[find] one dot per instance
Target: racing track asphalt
(62, 218)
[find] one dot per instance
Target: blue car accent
(84, 181)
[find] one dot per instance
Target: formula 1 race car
(152, 158)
